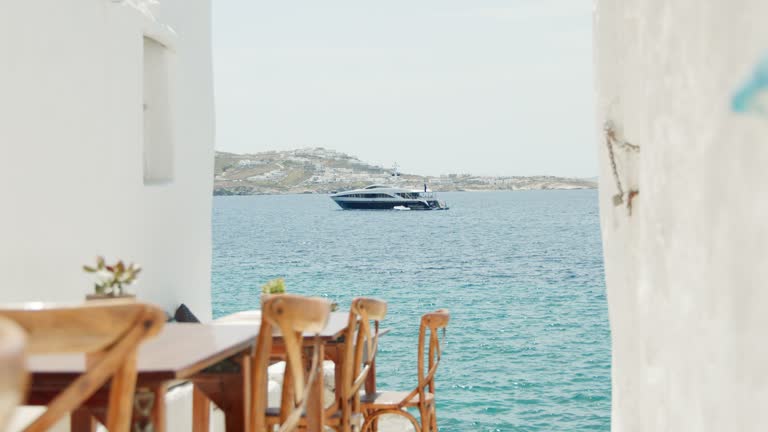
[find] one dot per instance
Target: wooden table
(194, 352)
(212, 356)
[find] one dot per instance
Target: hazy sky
(438, 86)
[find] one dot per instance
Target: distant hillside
(317, 170)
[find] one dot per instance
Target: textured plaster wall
(687, 271)
(184, 206)
(71, 176)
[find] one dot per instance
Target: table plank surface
(177, 352)
(337, 323)
(183, 349)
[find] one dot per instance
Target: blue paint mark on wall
(752, 97)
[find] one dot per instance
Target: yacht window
(367, 195)
(409, 195)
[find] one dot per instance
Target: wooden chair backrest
(360, 348)
(430, 323)
(109, 332)
(293, 316)
(13, 375)
(428, 329)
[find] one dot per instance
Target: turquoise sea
(528, 346)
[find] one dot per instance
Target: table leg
(230, 390)
(201, 411)
(315, 408)
(335, 353)
(159, 410)
(337, 378)
(81, 420)
(233, 421)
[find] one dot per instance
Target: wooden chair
(358, 356)
(292, 316)
(423, 396)
(109, 332)
(13, 376)
(359, 353)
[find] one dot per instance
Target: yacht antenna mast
(395, 173)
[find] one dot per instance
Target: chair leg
(424, 414)
(123, 386)
(366, 414)
(346, 419)
(375, 414)
(433, 418)
(374, 423)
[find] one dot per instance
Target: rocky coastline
(322, 171)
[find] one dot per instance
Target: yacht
(383, 197)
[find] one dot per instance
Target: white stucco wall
(71, 158)
(687, 272)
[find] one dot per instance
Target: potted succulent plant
(277, 287)
(111, 279)
(272, 287)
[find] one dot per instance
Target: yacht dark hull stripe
(384, 205)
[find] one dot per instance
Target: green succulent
(275, 286)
